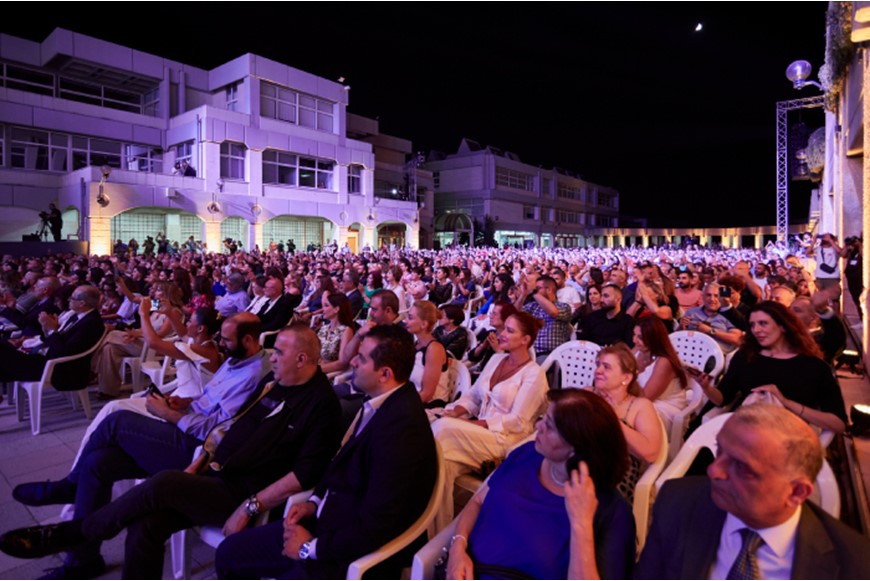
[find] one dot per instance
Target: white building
(268, 143)
(528, 205)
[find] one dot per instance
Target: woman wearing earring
(521, 524)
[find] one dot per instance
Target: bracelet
(454, 537)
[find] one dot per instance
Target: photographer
(827, 254)
(854, 270)
(55, 221)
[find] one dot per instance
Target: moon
(699, 27)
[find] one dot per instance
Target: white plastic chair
(576, 360)
(179, 542)
(695, 349)
(135, 366)
(159, 372)
(696, 399)
(266, 334)
(644, 490)
(458, 378)
(423, 565)
(34, 389)
(826, 493)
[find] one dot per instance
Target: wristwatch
(712, 330)
(304, 550)
(252, 506)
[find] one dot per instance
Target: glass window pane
(307, 101)
(307, 178)
(270, 155)
(270, 173)
(287, 95)
(324, 106)
(324, 122)
(267, 107)
(307, 118)
(287, 175)
(286, 112)
(307, 162)
(287, 159)
(267, 89)
(324, 165)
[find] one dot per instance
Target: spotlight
(106, 171)
(214, 207)
(103, 199)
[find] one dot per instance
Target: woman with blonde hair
(430, 364)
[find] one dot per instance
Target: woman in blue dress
(518, 525)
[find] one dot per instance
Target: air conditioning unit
(172, 193)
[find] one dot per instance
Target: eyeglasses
(75, 298)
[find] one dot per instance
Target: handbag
(827, 268)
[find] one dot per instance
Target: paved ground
(24, 458)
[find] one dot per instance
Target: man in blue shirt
(129, 445)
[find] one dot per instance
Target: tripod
(43, 231)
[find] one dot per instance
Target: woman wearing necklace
(522, 522)
(616, 382)
(497, 412)
(779, 359)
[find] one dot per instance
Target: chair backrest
(50, 364)
(826, 494)
(458, 377)
(576, 361)
(266, 334)
(644, 490)
(366, 562)
(696, 349)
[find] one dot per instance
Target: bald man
(281, 444)
(764, 472)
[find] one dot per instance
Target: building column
(865, 222)
(213, 235)
(99, 235)
(255, 235)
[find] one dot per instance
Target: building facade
(521, 203)
(108, 133)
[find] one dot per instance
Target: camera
(724, 292)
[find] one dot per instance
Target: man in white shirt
(756, 495)
(564, 292)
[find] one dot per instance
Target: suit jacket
(80, 337)
(378, 484)
(28, 321)
(279, 315)
(686, 527)
(356, 301)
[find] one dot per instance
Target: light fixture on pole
(102, 197)
(214, 206)
(798, 73)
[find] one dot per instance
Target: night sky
(629, 95)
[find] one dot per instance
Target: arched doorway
(304, 231)
(140, 223)
(454, 227)
(353, 237)
(392, 235)
(235, 228)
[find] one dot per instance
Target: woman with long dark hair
(662, 377)
(520, 525)
(780, 360)
(337, 329)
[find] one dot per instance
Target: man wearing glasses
(72, 332)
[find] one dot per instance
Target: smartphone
(725, 292)
(152, 390)
(573, 462)
(693, 371)
(155, 305)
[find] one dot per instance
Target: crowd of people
(354, 353)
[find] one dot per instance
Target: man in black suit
(350, 287)
(74, 332)
(277, 310)
(280, 445)
(374, 489)
(767, 461)
(44, 292)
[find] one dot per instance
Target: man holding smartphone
(707, 319)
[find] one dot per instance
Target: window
(232, 95)
(232, 160)
(28, 80)
(354, 179)
(513, 179)
(279, 168)
(151, 102)
(292, 170)
(39, 150)
(298, 108)
(568, 191)
(529, 212)
(315, 173)
(545, 186)
(2, 148)
(567, 217)
(184, 152)
(436, 179)
(143, 158)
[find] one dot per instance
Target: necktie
(357, 424)
(69, 323)
(746, 565)
(214, 437)
(264, 308)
